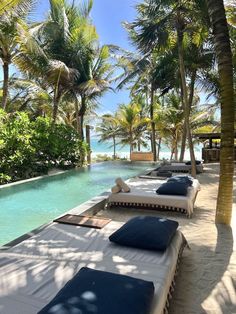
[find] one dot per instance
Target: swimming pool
(26, 206)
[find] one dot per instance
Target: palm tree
(109, 129)
(35, 60)
(169, 122)
(11, 18)
(225, 67)
(94, 80)
(132, 125)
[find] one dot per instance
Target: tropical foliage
(29, 148)
(131, 124)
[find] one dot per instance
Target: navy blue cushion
(164, 173)
(182, 179)
(173, 188)
(98, 292)
(146, 232)
(188, 163)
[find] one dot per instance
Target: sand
(206, 280)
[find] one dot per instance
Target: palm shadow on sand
(205, 284)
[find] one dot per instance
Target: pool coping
(8, 185)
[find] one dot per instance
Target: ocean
(105, 148)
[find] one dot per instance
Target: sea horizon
(105, 148)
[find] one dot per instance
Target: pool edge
(59, 172)
(95, 204)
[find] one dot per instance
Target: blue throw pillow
(173, 188)
(188, 163)
(99, 292)
(182, 179)
(146, 232)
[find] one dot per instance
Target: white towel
(122, 185)
(116, 189)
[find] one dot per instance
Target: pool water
(26, 206)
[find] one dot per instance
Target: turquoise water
(26, 206)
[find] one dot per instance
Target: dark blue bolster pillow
(188, 163)
(99, 292)
(182, 179)
(146, 232)
(173, 188)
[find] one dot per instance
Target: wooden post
(88, 142)
(210, 142)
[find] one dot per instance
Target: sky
(107, 16)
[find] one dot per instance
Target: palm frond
(15, 8)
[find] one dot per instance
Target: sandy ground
(206, 281)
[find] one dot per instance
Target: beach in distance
(106, 148)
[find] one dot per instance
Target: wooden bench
(141, 156)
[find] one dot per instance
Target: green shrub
(57, 144)
(4, 178)
(30, 148)
(16, 150)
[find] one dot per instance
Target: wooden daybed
(32, 272)
(143, 195)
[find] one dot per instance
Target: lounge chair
(157, 174)
(180, 167)
(33, 272)
(143, 195)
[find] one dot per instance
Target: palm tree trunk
(191, 89)
(185, 95)
(176, 154)
(88, 143)
(172, 153)
(81, 127)
(184, 135)
(114, 147)
(81, 115)
(183, 143)
(139, 147)
(159, 148)
(5, 84)
(77, 114)
(225, 68)
(176, 147)
(147, 102)
(130, 142)
(56, 100)
(153, 125)
(190, 102)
